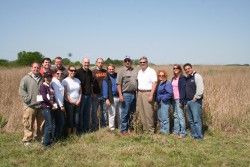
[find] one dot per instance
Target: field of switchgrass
(226, 115)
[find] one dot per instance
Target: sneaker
(27, 143)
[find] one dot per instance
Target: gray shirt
(127, 78)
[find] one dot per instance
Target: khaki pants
(146, 111)
(30, 115)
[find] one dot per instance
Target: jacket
(164, 92)
(29, 89)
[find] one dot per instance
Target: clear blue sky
(176, 31)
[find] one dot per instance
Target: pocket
(25, 121)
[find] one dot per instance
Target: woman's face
(48, 79)
(161, 76)
(59, 74)
(176, 70)
(72, 71)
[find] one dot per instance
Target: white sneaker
(27, 143)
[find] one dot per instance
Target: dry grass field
(226, 104)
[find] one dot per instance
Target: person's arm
(182, 91)
(105, 92)
(119, 88)
(23, 92)
(80, 97)
(151, 95)
(44, 91)
(66, 96)
(199, 87)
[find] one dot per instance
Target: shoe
(181, 137)
(27, 143)
(125, 133)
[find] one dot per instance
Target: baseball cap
(127, 57)
(47, 74)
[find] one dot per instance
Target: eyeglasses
(127, 60)
(175, 68)
(59, 73)
(142, 62)
(161, 75)
(72, 70)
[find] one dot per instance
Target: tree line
(27, 58)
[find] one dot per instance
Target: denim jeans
(104, 114)
(127, 108)
(179, 119)
(84, 115)
(49, 118)
(195, 118)
(163, 116)
(59, 121)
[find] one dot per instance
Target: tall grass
(226, 105)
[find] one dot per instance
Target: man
(127, 87)
(59, 66)
(110, 94)
(98, 75)
(46, 64)
(29, 92)
(84, 74)
(194, 96)
(147, 82)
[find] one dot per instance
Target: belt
(132, 92)
(144, 90)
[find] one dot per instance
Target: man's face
(58, 63)
(46, 64)
(99, 64)
(127, 63)
(111, 70)
(35, 69)
(143, 63)
(85, 64)
(188, 70)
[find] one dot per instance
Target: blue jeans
(104, 114)
(195, 118)
(127, 109)
(59, 121)
(49, 118)
(163, 116)
(179, 119)
(84, 115)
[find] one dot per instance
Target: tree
(27, 58)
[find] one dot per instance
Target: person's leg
(191, 119)
(86, 113)
(182, 122)
(141, 110)
(59, 120)
(112, 114)
(117, 105)
(197, 115)
(95, 105)
(125, 112)
(149, 113)
(81, 114)
(176, 129)
(39, 121)
(28, 121)
(48, 126)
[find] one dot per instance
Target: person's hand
(150, 98)
(121, 99)
(180, 105)
(62, 108)
(107, 102)
(194, 100)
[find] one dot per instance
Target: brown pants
(146, 111)
(29, 117)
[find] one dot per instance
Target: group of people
(55, 97)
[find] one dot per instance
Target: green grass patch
(105, 149)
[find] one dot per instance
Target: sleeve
(44, 92)
(105, 89)
(169, 90)
(199, 86)
(154, 76)
(57, 91)
(23, 92)
(119, 77)
(182, 90)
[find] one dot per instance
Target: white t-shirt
(146, 79)
(73, 87)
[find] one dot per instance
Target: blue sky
(167, 32)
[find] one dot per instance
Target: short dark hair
(58, 57)
(187, 64)
(71, 66)
(48, 59)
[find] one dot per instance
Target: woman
(111, 96)
(164, 93)
(179, 84)
(72, 95)
(48, 106)
(59, 97)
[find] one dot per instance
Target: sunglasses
(72, 70)
(127, 60)
(175, 68)
(161, 75)
(142, 62)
